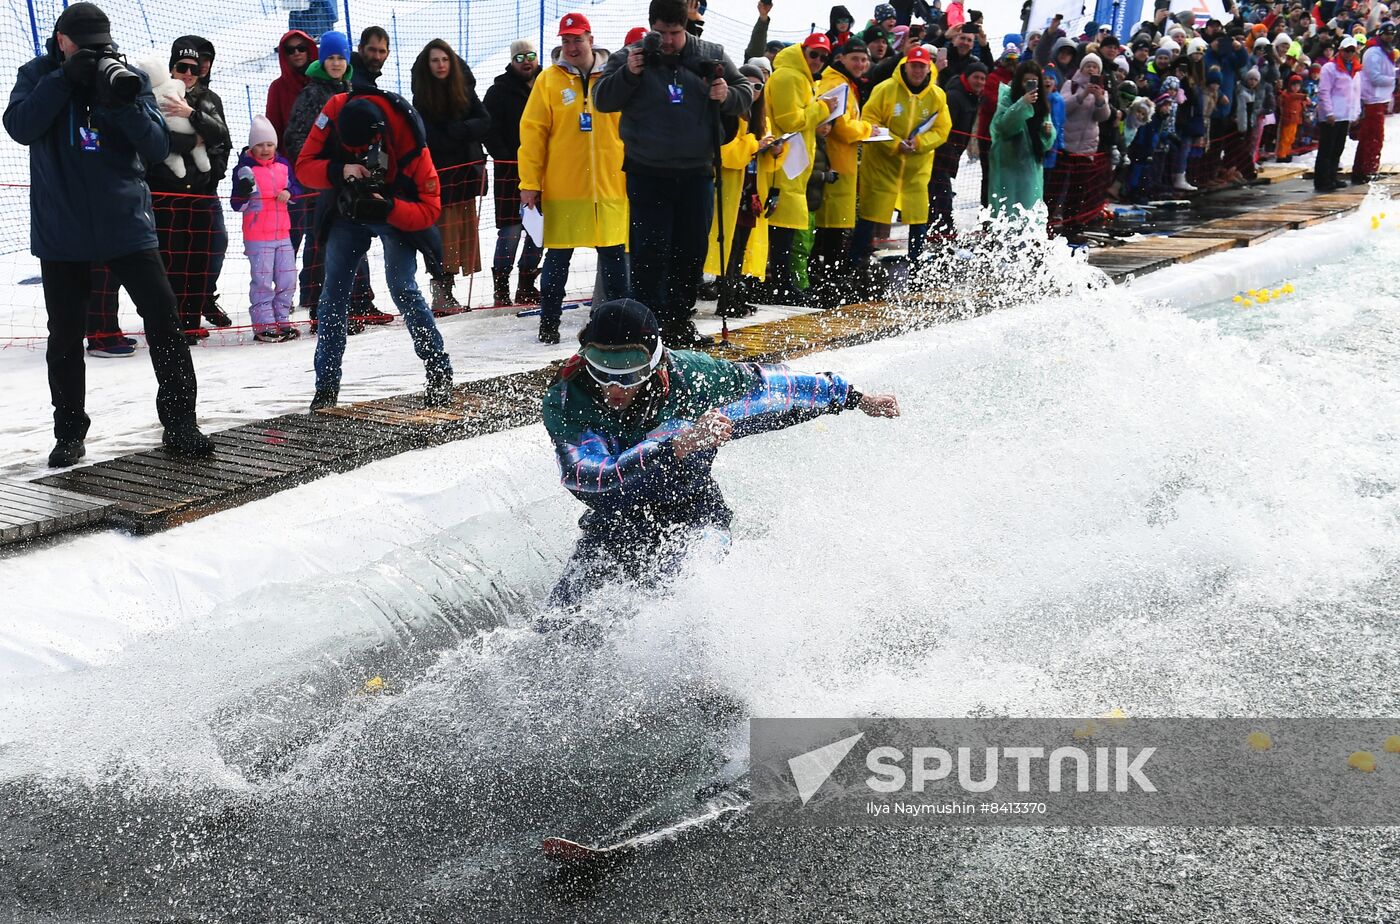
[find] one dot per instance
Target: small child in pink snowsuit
(263, 183)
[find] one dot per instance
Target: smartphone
(1031, 85)
(1096, 80)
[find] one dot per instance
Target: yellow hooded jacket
(793, 107)
(583, 191)
(889, 178)
(735, 157)
(838, 209)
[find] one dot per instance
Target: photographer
(369, 147)
(91, 125)
(671, 89)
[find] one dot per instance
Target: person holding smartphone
(1086, 171)
(1021, 133)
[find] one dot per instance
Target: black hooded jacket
(455, 141)
(840, 12)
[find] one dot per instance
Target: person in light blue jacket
(1056, 180)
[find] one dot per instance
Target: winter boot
(439, 390)
(324, 397)
(526, 293)
(445, 305)
(186, 440)
(66, 453)
(500, 288)
(214, 314)
(1180, 185)
(549, 330)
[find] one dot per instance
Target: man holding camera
(92, 126)
(672, 90)
(369, 146)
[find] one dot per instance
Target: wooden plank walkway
(1148, 254)
(153, 490)
(30, 511)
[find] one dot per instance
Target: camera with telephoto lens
(113, 78)
(367, 199)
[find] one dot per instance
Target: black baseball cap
(85, 24)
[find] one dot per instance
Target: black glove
(244, 186)
(81, 67)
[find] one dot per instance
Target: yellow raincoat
(793, 107)
(889, 178)
(736, 156)
(583, 191)
(838, 209)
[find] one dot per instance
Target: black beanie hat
(622, 322)
(183, 48)
(85, 24)
(359, 122)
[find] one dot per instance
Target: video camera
(367, 199)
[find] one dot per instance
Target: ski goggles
(624, 368)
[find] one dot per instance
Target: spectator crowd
(774, 173)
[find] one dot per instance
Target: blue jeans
(507, 242)
(346, 246)
(611, 260)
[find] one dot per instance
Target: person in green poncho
(1021, 134)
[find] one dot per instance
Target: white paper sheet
(797, 158)
(840, 95)
(533, 220)
(880, 133)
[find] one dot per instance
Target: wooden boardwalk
(154, 490)
(1133, 258)
(29, 511)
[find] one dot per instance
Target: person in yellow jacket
(895, 174)
(747, 176)
(836, 215)
(571, 170)
(794, 107)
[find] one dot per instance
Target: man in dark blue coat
(90, 139)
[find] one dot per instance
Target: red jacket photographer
(411, 176)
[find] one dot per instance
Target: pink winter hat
(261, 131)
